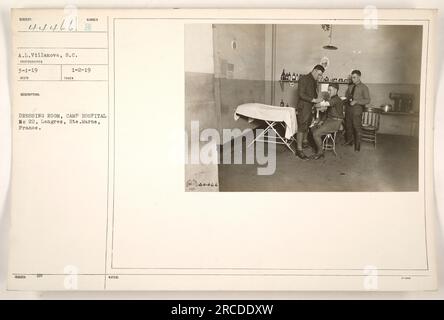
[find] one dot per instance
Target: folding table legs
(284, 141)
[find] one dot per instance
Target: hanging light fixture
(329, 46)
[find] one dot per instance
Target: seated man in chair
(332, 123)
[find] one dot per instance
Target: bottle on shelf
(287, 105)
(283, 74)
(297, 76)
(293, 77)
(282, 102)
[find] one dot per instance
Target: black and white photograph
(223, 152)
(302, 107)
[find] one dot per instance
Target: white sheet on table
(270, 113)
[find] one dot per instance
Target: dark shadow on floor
(392, 166)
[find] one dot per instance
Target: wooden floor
(392, 166)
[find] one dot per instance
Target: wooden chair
(370, 124)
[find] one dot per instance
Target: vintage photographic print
(222, 150)
(302, 107)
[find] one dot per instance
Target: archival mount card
(222, 149)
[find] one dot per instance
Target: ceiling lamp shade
(329, 46)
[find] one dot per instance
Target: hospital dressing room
(302, 107)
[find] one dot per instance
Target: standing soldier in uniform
(307, 97)
(357, 96)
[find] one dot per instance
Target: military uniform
(356, 92)
(307, 91)
(335, 115)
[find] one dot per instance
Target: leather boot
(300, 154)
(357, 146)
(318, 156)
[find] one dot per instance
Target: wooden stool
(329, 142)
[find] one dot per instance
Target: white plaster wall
(389, 54)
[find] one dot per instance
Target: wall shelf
(321, 82)
(397, 113)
